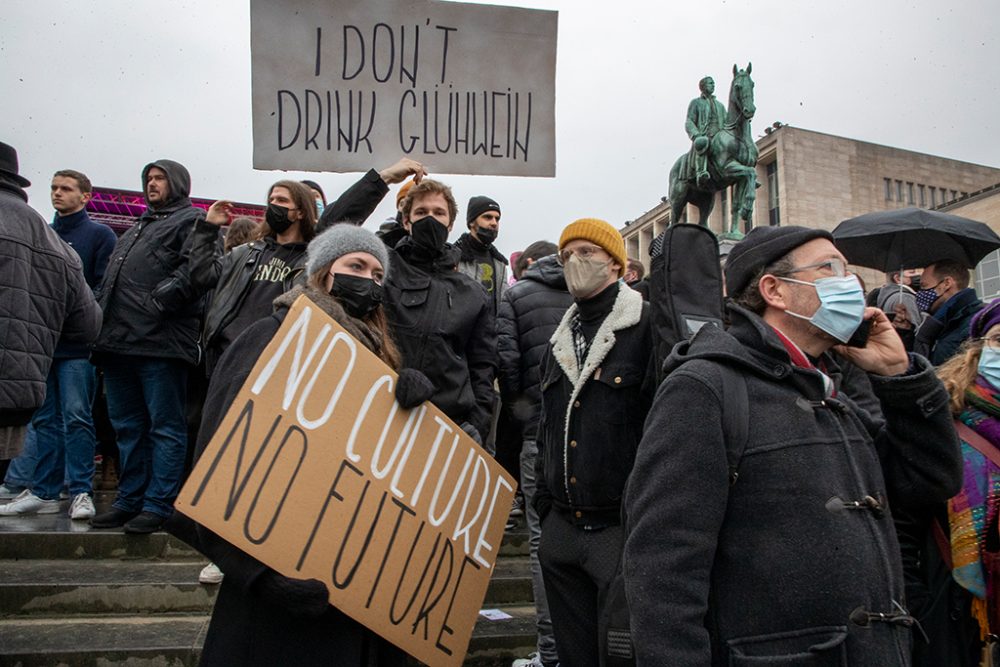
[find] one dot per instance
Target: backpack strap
(735, 417)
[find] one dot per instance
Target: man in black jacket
(148, 341)
(950, 304)
(596, 388)
(442, 320)
(478, 257)
(778, 547)
(529, 313)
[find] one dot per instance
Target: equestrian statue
(722, 153)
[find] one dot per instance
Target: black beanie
(761, 247)
(479, 205)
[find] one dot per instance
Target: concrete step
(55, 536)
(106, 586)
(140, 641)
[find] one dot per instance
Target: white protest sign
(317, 472)
(347, 85)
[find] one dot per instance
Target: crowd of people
(793, 492)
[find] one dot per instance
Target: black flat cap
(761, 247)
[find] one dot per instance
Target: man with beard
(147, 344)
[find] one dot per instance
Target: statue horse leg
(679, 190)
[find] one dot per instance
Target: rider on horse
(705, 117)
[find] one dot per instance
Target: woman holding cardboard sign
(262, 617)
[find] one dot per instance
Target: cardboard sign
(317, 472)
(347, 85)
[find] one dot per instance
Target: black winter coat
(442, 322)
(150, 307)
(591, 420)
(781, 567)
(43, 294)
(246, 629)
(942, 333)
(529, 313)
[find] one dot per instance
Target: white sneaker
(28, 503)
(7, 493)
(210, 574)
(533, 660)
(82, 507)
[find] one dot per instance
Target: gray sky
(105, 87)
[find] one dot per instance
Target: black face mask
(915, 283)
(486, 235)
(429, 234)
(277, 218)
(359, 296)
(399, 217)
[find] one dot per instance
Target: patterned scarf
(580, 344)
(974, 510)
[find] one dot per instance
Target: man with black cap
(46, 299)
(479, 259)
(770, 541)
(149, 340)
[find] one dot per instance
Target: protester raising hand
(219, 213)
(398, 172)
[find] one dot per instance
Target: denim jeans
(64, 430)
(543, 621)
(146, 405)
(21, 471)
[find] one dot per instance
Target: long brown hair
(376, 319)
(959, 372)
(304, 202)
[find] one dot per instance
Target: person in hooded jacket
(262, 617)
(478, 257)
(442, 319)
(250, 277)
(529, 313)
(148, 341)
(785, 553)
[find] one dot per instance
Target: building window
(964, 194)
(773, 205)
(933, 196)
(954, 195)
(899, 192)
(888, 189)
(923, 195)
(909, 194)
(988, 276)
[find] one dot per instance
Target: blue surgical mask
(989, 366)
(841, 305)
(319, 209)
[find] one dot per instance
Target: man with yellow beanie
(597, 386)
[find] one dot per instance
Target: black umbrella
(913, 238)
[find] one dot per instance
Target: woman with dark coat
(262, 617)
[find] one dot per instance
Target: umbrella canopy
(913, 238)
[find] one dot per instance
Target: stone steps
(176, 640)
(68, 587)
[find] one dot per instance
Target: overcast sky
(105, 87)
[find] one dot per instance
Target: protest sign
(317, 472)
(347, 85)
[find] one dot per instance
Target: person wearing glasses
(776, 545)
(597, 385)
(952, 550)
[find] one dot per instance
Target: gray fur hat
(341, 239)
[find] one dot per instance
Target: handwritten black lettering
(293, 429)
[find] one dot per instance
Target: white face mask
(585, 276)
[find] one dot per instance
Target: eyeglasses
(992, 342)
(834, 266)
(583, 252)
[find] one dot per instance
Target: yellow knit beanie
(599, 233)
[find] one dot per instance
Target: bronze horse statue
(732, 160)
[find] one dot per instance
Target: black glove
(305, 598)
(472, 432)
(413, 388)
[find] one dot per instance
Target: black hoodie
(150, 307)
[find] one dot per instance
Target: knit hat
(477, 206)
(599, 233)
(402, 191)
(985, 319)
(341, 239)
(761, 247)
